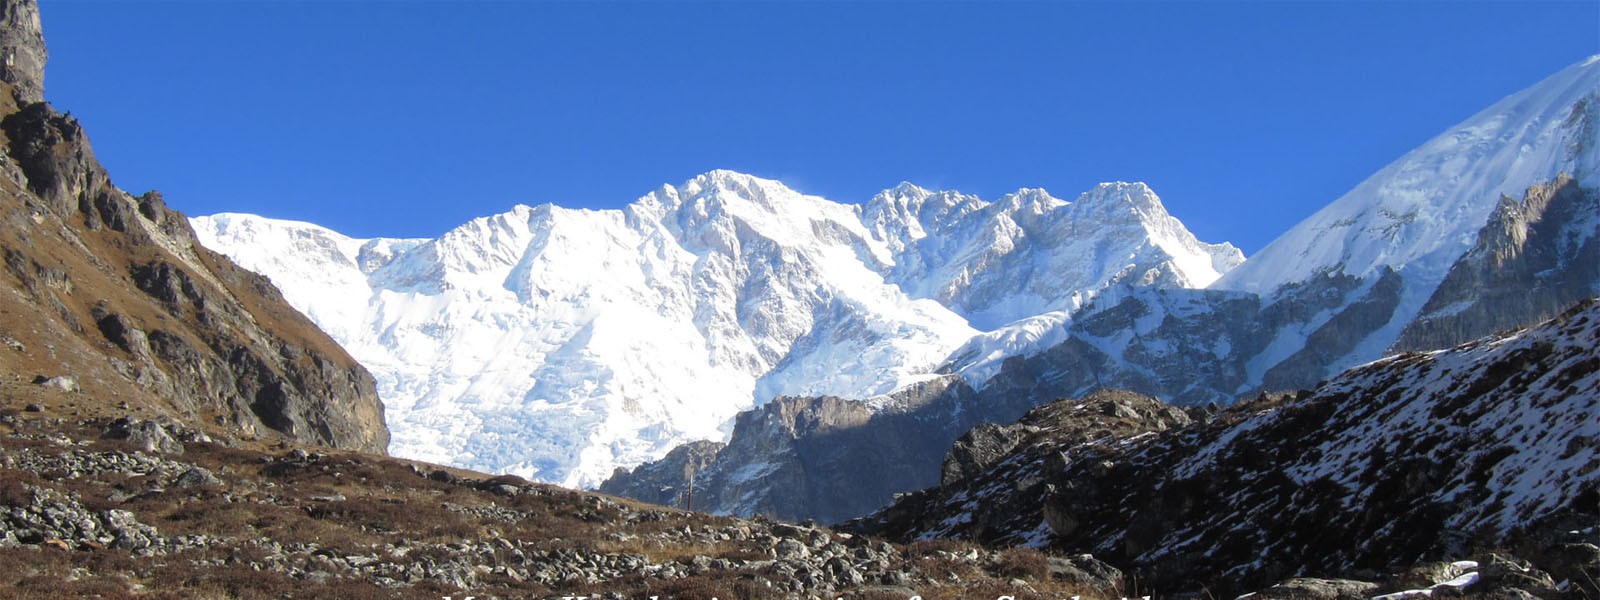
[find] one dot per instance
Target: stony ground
(95, 505)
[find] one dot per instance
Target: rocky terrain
(94, 506)
(1492, 447)
(109, 295)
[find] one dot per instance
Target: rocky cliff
(1532, 259)
(110, 295)
(824, 458)
(22, 51)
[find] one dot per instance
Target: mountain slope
(1421, 214)
(512, 343)
(110, 297)
(1418, 456)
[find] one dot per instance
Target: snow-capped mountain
(1490, 226)
(1019, 267)
(559, 344)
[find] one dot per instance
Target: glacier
(560, 344)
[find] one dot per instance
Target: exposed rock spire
(22, 52)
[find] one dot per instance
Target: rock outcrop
(114, 290)
(1003, 487)
(1532, 259)
(22, 51)
(669, 481)
(824, 458)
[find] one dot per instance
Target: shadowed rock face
(114, 290)
(669, 481)
(1531, 260)
(816, 458)
(1102, 415)
(1414, 457)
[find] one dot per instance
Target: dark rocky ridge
(1416, 457)
(814, 458)
(1000, 488)
(1101, 416)
(113, 292)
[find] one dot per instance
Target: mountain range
(170, 425)
(1489, 226)
(562, 344)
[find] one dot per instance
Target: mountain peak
(1120, 188)
(908, 188)
(724, 179)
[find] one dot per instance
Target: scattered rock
(1308, 588)
(790, 548)
(197, 477)
(65, 383)
(1501, 573)
(1433, 573)
(1086, 570)
(150, 436)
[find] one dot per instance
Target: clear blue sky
(407, 118)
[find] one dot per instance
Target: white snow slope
(1420, 213)
(559, 344)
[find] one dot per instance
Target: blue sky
(406, 118)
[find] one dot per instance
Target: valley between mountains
(1023, 397)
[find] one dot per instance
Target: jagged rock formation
(1532, 259)
(22, 51)
(1418, 456)
(114, 291)
(998, 490)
